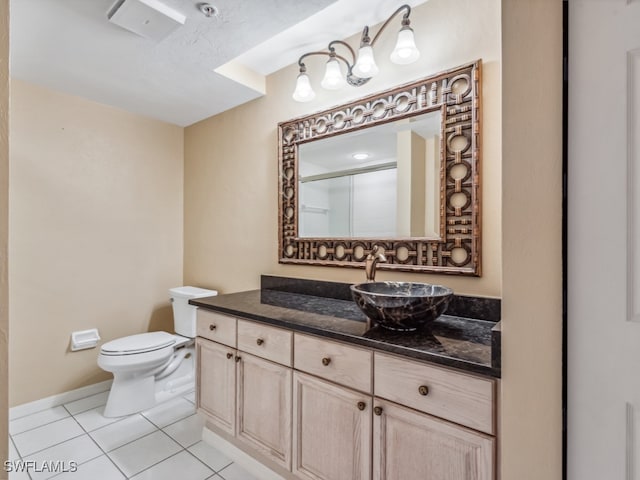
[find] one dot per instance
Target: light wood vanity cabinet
(409, 445)
(327, 410)
(264, 407)
(331, 431)
(216, 327)
(217, 383)
(244, 395)
(412, 445)
(264, 341)
(462, 398)
(337, 362)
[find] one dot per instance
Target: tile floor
(161, 443)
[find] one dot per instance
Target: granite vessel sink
(403, 306)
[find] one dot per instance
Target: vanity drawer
(265, 341)
(216, 326)
(340, 363)
(461, 398)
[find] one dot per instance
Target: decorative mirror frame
(456, 93)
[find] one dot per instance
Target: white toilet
(150, 368)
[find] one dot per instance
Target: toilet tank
(184, 315)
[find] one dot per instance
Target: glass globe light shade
(333, 78)
(405, 51)
(365, 66)
(303, 91)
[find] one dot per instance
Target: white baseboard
(55, 400)
(243, 459)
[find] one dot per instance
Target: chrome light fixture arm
(362, 66)
(352, 79)
(405, 23)
(303, 67)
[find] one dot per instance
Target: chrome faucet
(376, 255)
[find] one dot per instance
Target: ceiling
(70, 46)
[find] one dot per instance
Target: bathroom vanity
(294, 375)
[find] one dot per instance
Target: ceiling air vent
(148, 18)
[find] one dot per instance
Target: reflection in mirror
(382, 181)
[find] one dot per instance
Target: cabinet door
(409, 445)
(264, 407)
(216, 383)
(332, 431)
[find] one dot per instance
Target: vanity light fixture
(361, 68)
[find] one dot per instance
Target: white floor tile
(234, 472)
(38, 419)
(79, 450)
(187, 431)
(94, 419)
(19, 476)
(124, 431)
(209, 455)
(181, 465)
(46, 436)
(100, 468)
(169, 412)
(143, 453)
(87, 403)
(191, 397)
(13, 453)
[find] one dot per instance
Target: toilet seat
(137, 344)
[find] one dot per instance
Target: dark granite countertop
(463, 343)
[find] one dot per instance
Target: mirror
(416, 193)
(378, 182)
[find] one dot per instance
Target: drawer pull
(229, 355)
(423, 390)
(212, 327)
(377, 411)
(362, 405)
(259, 341)
(326, 361)
(238, 358)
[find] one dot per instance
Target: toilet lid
(141, 343)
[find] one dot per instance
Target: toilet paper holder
(84, 339)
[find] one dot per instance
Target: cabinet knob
(362, 405)
(229, 355)
(212, 327)
(326, 361)
(377, 411)
(423, 390)
(238, 358)
(259, 341)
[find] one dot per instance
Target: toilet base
(182, 381)
(132, 394)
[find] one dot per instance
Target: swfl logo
(57, 466)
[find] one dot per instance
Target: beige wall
(231, 197)
(95, 239)
(532, 240)
(4, 224)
